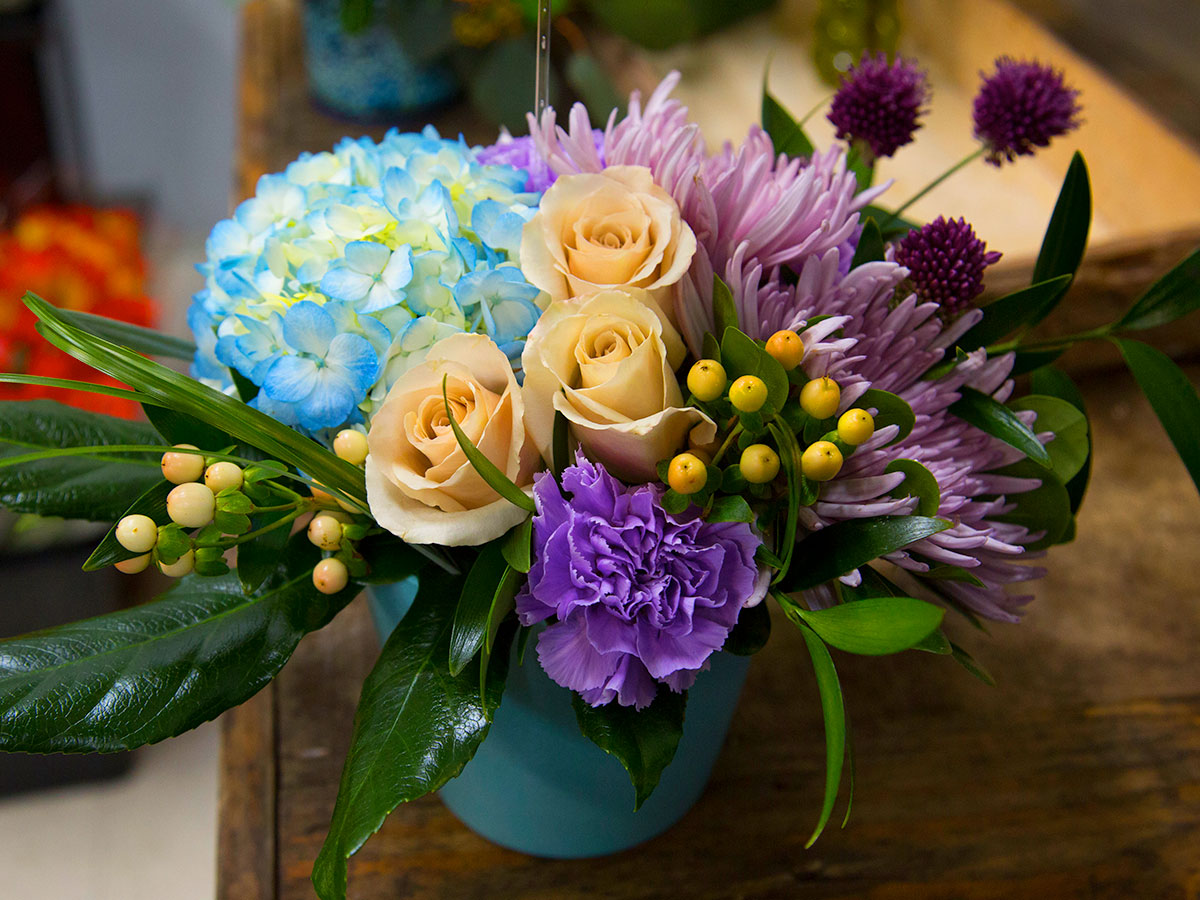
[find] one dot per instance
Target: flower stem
(737, 429)
(258, 532)
(966, 160)
(1096, 334)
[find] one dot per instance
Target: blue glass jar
(368, 75)
(539, 786)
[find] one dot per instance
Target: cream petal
(416, 523)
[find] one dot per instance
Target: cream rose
(420, 485)
(607, 363)
(612, 229)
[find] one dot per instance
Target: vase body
(368, 75)
(537, 785)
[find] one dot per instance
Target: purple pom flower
(1022, 105)
(945, 262)
(879, 104)
(640, 596)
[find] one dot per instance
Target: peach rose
(607, 362)
(420, 485)
(612, 229)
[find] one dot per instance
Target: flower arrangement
(609, 397)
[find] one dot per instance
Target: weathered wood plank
(246, 842)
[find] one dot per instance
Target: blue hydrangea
(342, 271)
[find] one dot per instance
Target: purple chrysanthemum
(640, 596)
(1022, 105)
(945, 261)
(754, 213)
(879, 103)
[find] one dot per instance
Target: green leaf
(186, 395)
(785, 133)
(1066, 235)
(789, 457)
(94, 487)
(724, 309)
(935, 643)
(179, 428)
(144, 674)
(1172, 397)
(751, 632)
(560, 443)
(996, 419)
(740, 355)
(1005, 315)
(951, 573)
(144, 340)
(152, 503)
(918, 482)
(475, 605)
(889, 410)
(1053, 383)
(70, 384)
(1046, 508)
(864, 172)
(1069, 449)
(844, 546)
(643, 741)
(834, 712)
(1171, 297)
(875, 626)
(259, 557)
(496, 480)
(416, 727)
(517, 546)
(893, 226)
(390, 559)
(968, 662)
(1025, 361)
(870, 245)
(730, 509)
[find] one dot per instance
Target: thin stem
(541, 79)
(1095, 334)
(966, 160)
(250, 535)
(737, 429)
(817, 108)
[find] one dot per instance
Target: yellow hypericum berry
(707, 379)
(855, 426)
(821, 461)
(759, 464)
(687, 473)
(351, 446)
(137, 534)
(180, 567)
(191, 505)
(787, 348)
(748, 393)
(133, 566)
(820, 397)
(221, 475)
(330, 576)
(325, 532)
(180, 468)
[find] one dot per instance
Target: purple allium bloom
(1022, 105)
(880, 103)
(640, 596)
(945, 262)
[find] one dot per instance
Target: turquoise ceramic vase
(539, 786)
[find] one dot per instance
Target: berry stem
(737, 429)
(966, 160)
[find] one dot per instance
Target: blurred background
(130, 128)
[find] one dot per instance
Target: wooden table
(1077, 777)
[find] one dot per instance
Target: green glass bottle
(847, 28)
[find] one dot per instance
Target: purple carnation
(1022, 105)
(521, 153)
(945, 262)
(880, 104)
(640, 596)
